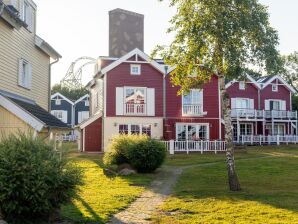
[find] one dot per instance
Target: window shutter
(283, 105)
(119, 100)
(251, 104)
(151, 102)
(20, 81)
(267, 105)
(64, 116)
(29, 77)
(233, 103)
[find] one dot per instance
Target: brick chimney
(126, 32)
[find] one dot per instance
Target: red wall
(282, 94)
(93, 136)
(120, 77)
(210, 99)
(250, 91)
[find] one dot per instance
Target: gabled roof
(89, 120)
(253, 81)
(63, 97)
(83, 97)
(46, 48)
(138, 52)
(267, 80)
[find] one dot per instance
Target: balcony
(263, 114)
(135, 109)
(193, 110)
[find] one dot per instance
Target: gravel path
(141, 210)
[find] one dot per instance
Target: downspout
(49, 88)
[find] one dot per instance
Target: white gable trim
(248, 77)
(83, 97)
(24, 115)
(63, 97)
(138, 52)
(89, 121)
(281, 80)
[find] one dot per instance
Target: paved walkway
(140, 211)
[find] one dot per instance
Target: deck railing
(135, 109)
(267, 140)
(252, 113)
(195, 146)
(192, 109)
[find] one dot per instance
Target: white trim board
(89, 121)
(83, 97)
(281, 80)
(63, 97)
(28, 118)
(253, 81)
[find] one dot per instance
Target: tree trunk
(232, 175)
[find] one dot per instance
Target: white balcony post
(277, 140)
(202, 146)
(251, 139)
(187, 147)
(172, 151)
(215, 146)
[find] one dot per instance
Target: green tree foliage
(290, 73)
(223, 37)
(34, 181)
(295, 102)
(72, 94)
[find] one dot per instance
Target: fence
(270, 139)
(195, 146)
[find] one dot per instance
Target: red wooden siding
(250, 91)
(210, 99)
(93, 136)
(282, 94)
(120, 77)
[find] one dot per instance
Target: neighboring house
(71, 113)
(262, 107)
(25, 61)
(133, 95)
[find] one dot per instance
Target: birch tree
(222, 37)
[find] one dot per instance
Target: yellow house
(25, 67)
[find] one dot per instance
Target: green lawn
(269, 179)
(100, 196)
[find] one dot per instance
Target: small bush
(34, 181)
(141, 152)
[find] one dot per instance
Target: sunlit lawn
(100, 196)
(269, 195)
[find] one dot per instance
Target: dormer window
(274, 88)
(58, 101)
(135, 69)
(242, 85)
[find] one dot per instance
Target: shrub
(141, 152)
(34, 181)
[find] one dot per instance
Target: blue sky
(80, 27)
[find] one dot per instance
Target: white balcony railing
(267, 139)
(135, 108)
(192, 109)
(252, 113)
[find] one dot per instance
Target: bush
(141, 152)
(34, 181)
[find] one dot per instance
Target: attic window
(86, 103)
(274, 88)
(135, 69)
(58, 101)
(242, 85)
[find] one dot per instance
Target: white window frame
(197, 129)
(57, 101)
(56, 113)
(140, 126)
(87, 104)
(242, 99)
(27, 13)
(280, 104)
(135, 66)
(242, 85)
(25, 74)
(274, 88)
(269, 127)
(82, 116)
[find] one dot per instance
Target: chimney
(126, 32)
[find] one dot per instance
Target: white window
(135, 129)
(86, 103)
(60, 114)
(135, 69)
(279, 129)
(242, 103)
(194, 97)
(274, 88)
(58, 101)
(192, 132)
(25, 74)
(82, 116)
(242, 85)
(27, 15)
(135, 101)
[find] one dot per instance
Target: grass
(101, 196)
(269, 181)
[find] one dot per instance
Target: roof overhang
(63, 97)
(28, 118)
(89, 121)
(83, 97)
(46, 48)
(11, 17)
(251, 79)
(279, 78)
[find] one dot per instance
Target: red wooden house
(133, 95)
